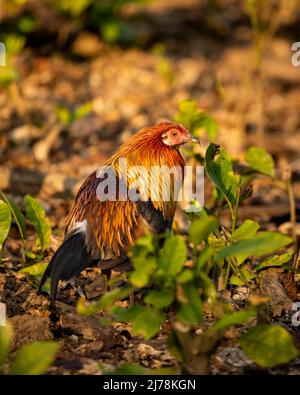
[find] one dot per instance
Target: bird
(101, 228)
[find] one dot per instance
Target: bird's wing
(111, 226)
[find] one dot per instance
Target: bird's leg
(77, 289)
(106, 275)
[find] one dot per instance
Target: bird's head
(174, 135)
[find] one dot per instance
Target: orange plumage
(102, 231)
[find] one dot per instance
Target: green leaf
(145, 321)
(160, 299)
(221, 174)
(261, 244)
(6, 335)
(36, 270)
(185, 276)
(201, 228)
(144, 261)
(236, 318)
(17, 214)
(5, 222)
(260, 160)
(85, 308)
(191, 311)
(210, 126)
(34, 358)
(268, 345)
(64, 115)
(37, 217)
(276, 260)
(247, 229)
(82, 110)
(194, 118)
(173, 255)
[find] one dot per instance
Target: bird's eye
(174, 133)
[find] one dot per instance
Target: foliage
(33, 358)
(196, 120)
(268, 345)
(37, 217)
(35, 214)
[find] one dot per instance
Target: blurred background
(81, 76)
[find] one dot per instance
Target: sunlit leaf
(6, 334)
(34, 358)
(260, 160)
(236, 318)
(219, 170)
(261, 244)
(268, 345)
(37, 217)
(201, 228)
(247, 229)
(145, 321)
(5, 222)
(36, 270)
(276, 260)
(17, 214)
(173, 255)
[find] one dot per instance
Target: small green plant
(67, 117)
(197, 120)
(36, 216)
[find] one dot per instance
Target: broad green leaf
(5, 222)
(201, 228)
(37, 269)
(236, 318)
(144, 260)
(261, 244)
(160, 299)
(173, 255)
(276, 260)
(190, 310)
(34, 358)
(6, 335)
(210, 126)
(185, 276)
(247, 229)
(268, 345)
(145, 321)
(37, 217)
(187, 314)
(17, 214)
(260, 160)
(220, 172)
(144, 266)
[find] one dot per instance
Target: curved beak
(194, 139)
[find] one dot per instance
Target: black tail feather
(70, 259)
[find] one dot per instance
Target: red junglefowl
(100, 228)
